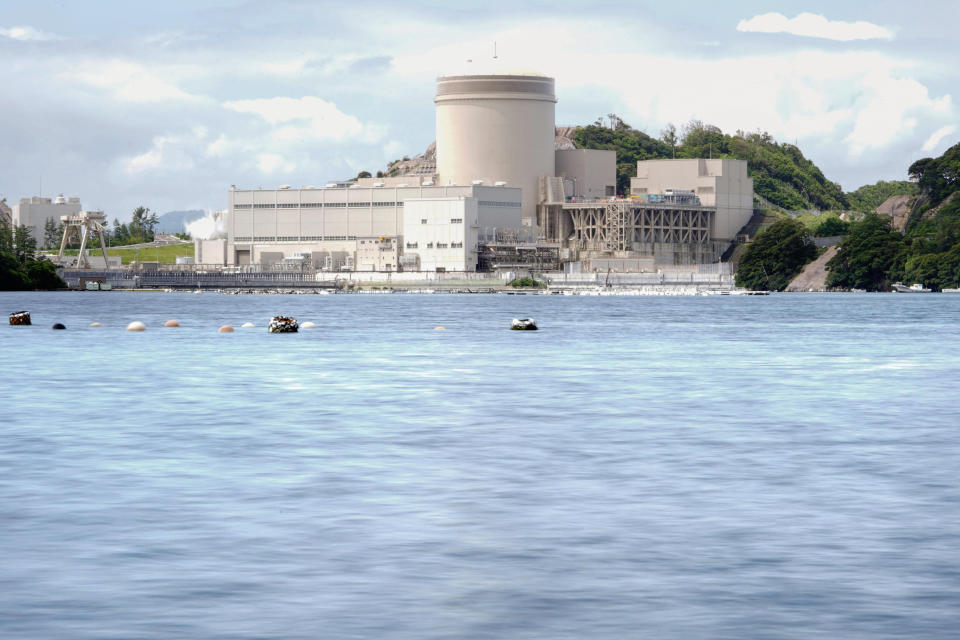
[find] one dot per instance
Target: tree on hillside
(24, 244)
(776, 256)
(669, 136)
(867, 255)
(141, 226)
(831, 227)
(19, 270)
(938, 177)
(629, 144)
(6, 238)
(42, 275)
(701, 140)
(52, 233)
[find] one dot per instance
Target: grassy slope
(167, 254)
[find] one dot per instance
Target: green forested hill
(780, 172)
(929, 252)
(870, 196)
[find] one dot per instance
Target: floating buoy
(95, 324)
(171, 323)
(226, 329)
(58, 327)
(136, 325)
(439, 328)
(247, 325)
(523, 324)
(308, 325)
(20, 317)
(283, 324)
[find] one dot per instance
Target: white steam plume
(208, 227)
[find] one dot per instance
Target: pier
(195, 279)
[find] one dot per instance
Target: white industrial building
(444, 233)
(34, 213)
(496, 169)
(721, 184)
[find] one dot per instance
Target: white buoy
(136, 325)
(439, 328)
(523, 324)
(95, 324)
(308, 325)
(247, 325)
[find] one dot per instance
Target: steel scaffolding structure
(84, 226)
(623, 225)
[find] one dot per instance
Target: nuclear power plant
(498, 195)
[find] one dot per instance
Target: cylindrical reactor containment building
(496, 128)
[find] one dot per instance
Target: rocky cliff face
(898, 208)
(563, 138)
(423, 164)
(814, 275)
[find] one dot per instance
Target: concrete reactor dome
(496, 128)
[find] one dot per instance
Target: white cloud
(274, 163)
(27, 34)
(869, 100)
(814, 26)
(888, 110)
(152, 159)
(287, 68)
(168, 153)
(308, 117)
(127, 81)
(394, 149)
(937, 136)
(218, 147)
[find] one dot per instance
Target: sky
(168, 104)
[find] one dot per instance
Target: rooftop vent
(477, 183)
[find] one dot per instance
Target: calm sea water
(646, 467)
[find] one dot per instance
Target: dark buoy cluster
(20, 317)
(523, 324)
(283, 324)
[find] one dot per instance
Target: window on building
(456, 220)
(423, 221)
